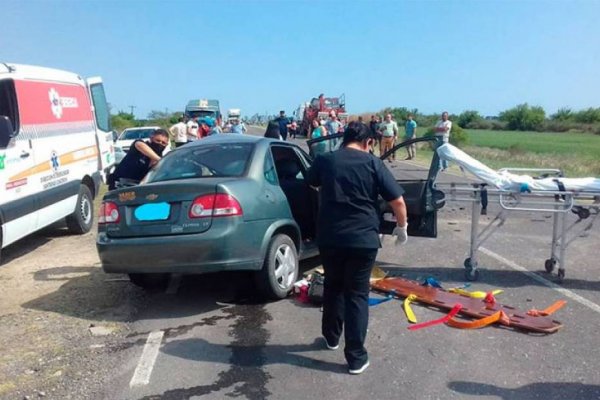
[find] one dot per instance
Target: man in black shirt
(140, 158)
(350, 182)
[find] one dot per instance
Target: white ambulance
(55, 149)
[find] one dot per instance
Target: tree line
(522, 117)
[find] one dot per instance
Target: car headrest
(287, 169)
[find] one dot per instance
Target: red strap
(489, 298)
(457, 307)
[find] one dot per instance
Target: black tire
(150, 281)
(549, 265)
(280, 268)
(81, 220)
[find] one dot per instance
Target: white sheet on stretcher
(513, 182)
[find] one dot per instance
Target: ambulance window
(101, 107)
(8, 103)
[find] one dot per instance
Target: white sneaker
(330, 347)
(359, 370)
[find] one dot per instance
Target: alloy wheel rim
(86, 210)
(285, 266)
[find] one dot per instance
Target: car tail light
(215, 205)
(109, 213)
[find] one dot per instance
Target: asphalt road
(208, 337)
(219, 342)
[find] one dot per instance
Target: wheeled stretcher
(548, 192)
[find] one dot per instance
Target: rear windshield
(136, 134)
(215, 160)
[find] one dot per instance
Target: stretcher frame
(584, 204)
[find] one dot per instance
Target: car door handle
(24, 154)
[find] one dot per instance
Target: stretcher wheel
(583, 213)
(472, 275)
(549, 265)
(561, 275)
(471, 271)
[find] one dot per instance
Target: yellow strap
(476, 294)
(410, 315)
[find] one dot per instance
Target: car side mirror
(6, 131)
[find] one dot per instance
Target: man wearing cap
(207, 126)
(351, 181)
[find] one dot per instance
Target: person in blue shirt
(208, 126)
(283, 122)
(237, 127)
(410, 132)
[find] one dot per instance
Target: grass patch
(576, 154)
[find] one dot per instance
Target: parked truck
(234, 113)
(320, 107)
(204, 108)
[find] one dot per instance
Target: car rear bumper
(233, 247)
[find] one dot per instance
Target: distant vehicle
(129, 135)
(320, 107)
(234, 113)
(55, 149)
(204, 108)
(229, 203)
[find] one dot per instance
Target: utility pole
(132, 108)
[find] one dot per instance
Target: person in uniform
(350, 180)
(142, 155)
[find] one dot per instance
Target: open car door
(421, 198)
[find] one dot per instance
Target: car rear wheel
(280, 268)
(81, 220)
(150, 281)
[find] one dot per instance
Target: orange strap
(480, 323)
(547, 311)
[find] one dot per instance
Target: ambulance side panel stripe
(29, 204)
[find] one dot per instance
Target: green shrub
(524, 117)
(468, 117)
(589, 116)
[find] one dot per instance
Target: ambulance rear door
(106, 154)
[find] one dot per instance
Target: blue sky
(262, 56)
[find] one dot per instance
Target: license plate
(153, 212)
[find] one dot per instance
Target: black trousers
(346, 299)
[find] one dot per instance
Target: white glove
(401, 234)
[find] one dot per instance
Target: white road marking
(142, 373)
(174, 282)
(565, 292)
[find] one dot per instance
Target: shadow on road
(34, 241)
(89, 293)
(540, 390)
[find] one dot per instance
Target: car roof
(234, 138)
(141, 127)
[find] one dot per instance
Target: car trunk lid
(159, 209)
